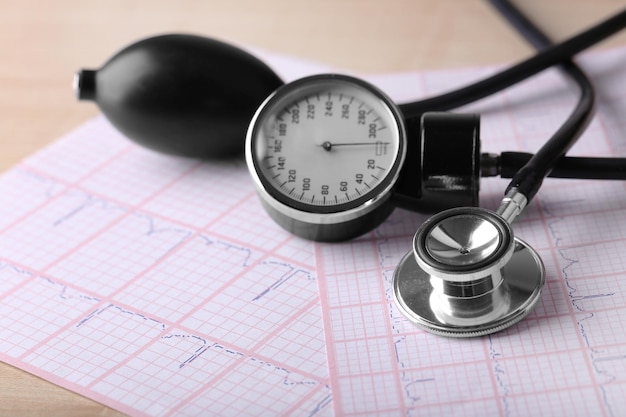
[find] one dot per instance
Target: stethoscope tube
(507, 164)
(528, 178)
(545, 59)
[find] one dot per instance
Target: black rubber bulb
(180, 94)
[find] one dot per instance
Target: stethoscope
(331, 156)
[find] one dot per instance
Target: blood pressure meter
(325, 152)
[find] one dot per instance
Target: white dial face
(330, 143)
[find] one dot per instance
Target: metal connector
(512, 205)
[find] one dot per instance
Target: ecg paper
(569, 356)
(158, 285)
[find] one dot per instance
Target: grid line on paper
(605, 136)
(274, 333)
(528, 356)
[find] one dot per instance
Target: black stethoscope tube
(551, 56)
(507, 164)
(529, 177)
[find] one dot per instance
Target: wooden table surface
(43, 43)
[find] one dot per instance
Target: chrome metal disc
(418, 294)
(463, 244)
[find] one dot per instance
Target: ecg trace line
(219, 376)
(116, 221)
(178, 323)
(590, 356)
(68, 185)
(166, 325)
(138, 209)
(224, 372)
(325, 402)
(199, 305)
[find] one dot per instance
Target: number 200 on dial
(325, 152)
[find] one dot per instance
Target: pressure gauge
(325, 152)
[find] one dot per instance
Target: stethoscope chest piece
(467, 275)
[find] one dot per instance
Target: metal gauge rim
(332, 213)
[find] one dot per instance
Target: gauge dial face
(326, 144)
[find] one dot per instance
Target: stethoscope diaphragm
(467, 275)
